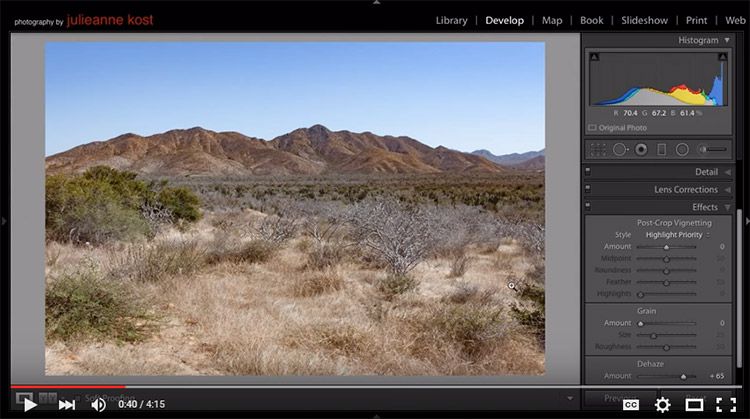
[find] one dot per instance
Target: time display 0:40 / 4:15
(141, 404)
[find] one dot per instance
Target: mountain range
(304, 151)
(532, 160)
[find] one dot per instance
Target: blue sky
(461, 95)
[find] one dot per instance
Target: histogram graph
(658, 78)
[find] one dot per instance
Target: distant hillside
(529, 160)
(313, 150)
(536, 163)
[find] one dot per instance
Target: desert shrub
(254, 251)
(517, 196)
(327, 233)
(157, 217)
(323, 221)
(531, 314)
(317, 283)
(276, 229)
(81, 209)
(394, 284)
(471, 325)
(536, 274)
(130, 191)
(147, 262)
(368, 259)
(503, 262)
(466, 292)
(223, 240)
(399, 235)
(104, 204)
(530, 235)
(463, 293)
(83, 305)
(458, 226)
(304, 245)
(181, 202)
(324, 256)
(459, 264)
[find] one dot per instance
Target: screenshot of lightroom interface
(374, 209)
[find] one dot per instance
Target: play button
(28, 405)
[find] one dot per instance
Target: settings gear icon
(662, 404)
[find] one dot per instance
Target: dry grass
(52, 252)
(459, 264)
(392, 285)
(141, 359)
(340, 338)
(253, 309)
(150, 262)
(252, 358)
(466, 292)
(324, 256)
(255, 251)
(474, 326)
(316, 283)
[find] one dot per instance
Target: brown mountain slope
(313, 150)
(195, 151)
(536, 163)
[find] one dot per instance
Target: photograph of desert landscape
(295, 209)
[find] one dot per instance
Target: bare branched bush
(324, 220)
(328, 229)
(454, 228)
(157, 216)
(276, 229)
(324, 256)
(223, 241)
(533, 237)
(399, 235)
(329, 238)
(530, 235)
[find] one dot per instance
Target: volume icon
(99, 405)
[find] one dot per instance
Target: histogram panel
(658, 78)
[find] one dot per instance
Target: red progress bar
(63, 387)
